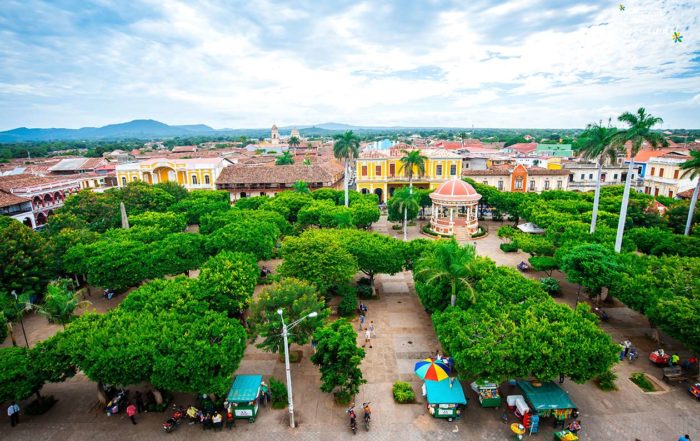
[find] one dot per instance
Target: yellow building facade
(380, 171)
(193, 174)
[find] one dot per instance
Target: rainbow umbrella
(430, 369)
(677, 37)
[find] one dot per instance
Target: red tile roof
(7, 199)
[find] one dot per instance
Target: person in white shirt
(13, 413)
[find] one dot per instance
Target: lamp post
(285, 333)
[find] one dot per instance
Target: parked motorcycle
(117, 402)
(353, 420)
(109, 293)
(175, 420)
(602, 315)
(632, 355)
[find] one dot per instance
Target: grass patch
(641, 380)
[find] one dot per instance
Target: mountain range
(148, 129)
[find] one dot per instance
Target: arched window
(194, 179)
(135, 178)
(123, 180)
(206, 179)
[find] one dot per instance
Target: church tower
(275, 135)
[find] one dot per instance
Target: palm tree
(691, 168)
(639, 131)
(597, 143)
(462, 136)
(347, 148)
(450, 262)
(294, 142)
(411, 159)
(301, 187)
(60, 303)
(285, 158)
(404, 200)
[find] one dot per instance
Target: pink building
(45, 195)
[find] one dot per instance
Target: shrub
(348, 305)
(397, 227)
(508, 247)
(550, 284)
(606, 381)
(278, 392)
(364, 292)
(479, 233)
(403, 392)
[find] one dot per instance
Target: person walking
(362, 321)
(627, 345)
(371, 329)
(13, 413)
(685, 437)
(675, 359)
(368, 338)
(131, 412)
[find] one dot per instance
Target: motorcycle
(353, 420)
(116, 403)
(368, 415)
(632, 355)
(109, 293)
(193, 415)
(523, 267)
(602, 315)
(175, 420)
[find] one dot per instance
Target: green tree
(297, 299)
(294, 142)
(99, 211)
(60, 303)
(346, 147)
(375, 253)
(404, 201)
(301, 187)
(285, 158)
(178, 253)
(194, 208)
(319, 257)
(412, 162)
(593, 266)
(288, 204)
(18, 379)
(24, 263)
(227, 281)
(247, 236)
(117, 264)
(449, 262)
(171, 222)
(597, 142)
(139, 197)
(364, 214)
(639, 131)
(691, 168)
(174, 189)
(339, 359)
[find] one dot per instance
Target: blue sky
(520, 63)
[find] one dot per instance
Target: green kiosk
(548, 399)
(244, 396)
(445, 398)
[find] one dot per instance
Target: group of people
(215, 420)
(369, 330)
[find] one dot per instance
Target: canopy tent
(445, 392)
(548, 396)
(245, 389)
(530, 228)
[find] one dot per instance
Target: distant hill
(148, 129)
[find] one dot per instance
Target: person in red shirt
(131, 412)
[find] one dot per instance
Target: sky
(249, 64)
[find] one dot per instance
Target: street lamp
(285, 333)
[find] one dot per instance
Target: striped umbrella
(430, 369)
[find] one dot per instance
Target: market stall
(445, 398)
(244, 396)
(565, 435)
(548, 399)
(487, 393)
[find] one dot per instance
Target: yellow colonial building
(380, 171)
(193, 174)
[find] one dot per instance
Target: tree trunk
(345, 182)
(11, 331)
(596, 198)
(623, 209)
(405, 210)
(691, 210)
(158, 396)
(101, 396)
(453, 298)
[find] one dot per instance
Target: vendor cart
(695, 390)
(660, 358)
(445, 398)
(244, 397)
(548, 399)
(487, 393)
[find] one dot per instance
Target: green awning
(245, 388)
(445, 392)
(549, 396)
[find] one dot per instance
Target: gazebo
(455, 209)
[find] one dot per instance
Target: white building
(584, 175)
(32, 199)
(664, 177)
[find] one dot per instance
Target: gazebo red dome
(455, 190)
